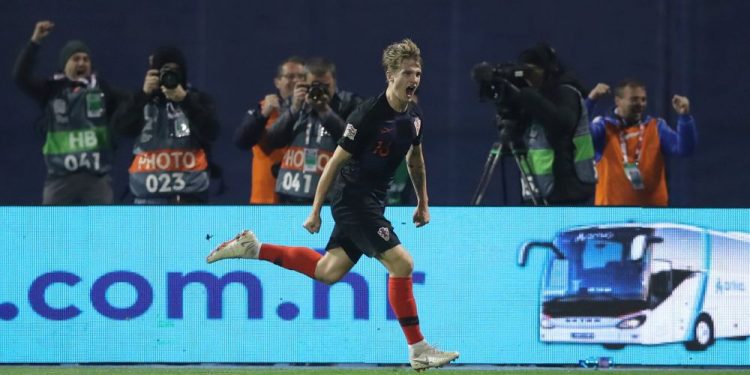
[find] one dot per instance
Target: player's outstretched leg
(423, 356)
(244, 245)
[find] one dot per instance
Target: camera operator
(560, 150)
(174, 125)
(310, 127)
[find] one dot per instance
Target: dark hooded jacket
(557, 107)
(198, 106)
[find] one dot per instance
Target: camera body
(170, 77)
(498, 83)
(493, 80)
(317, 90)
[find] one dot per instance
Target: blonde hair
(396, 53)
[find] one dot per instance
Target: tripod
(498, 149)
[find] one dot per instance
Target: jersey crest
(384, 233)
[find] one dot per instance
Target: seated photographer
(174, 125)
(310, 127)
(560, 150)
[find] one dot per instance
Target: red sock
(300, 259)
(403, 304)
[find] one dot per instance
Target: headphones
(554, 64)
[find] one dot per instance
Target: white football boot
(423, 356)
(244, 245)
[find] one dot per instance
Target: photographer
(77, 109)
(251, 134)
(560, 151)
(310, 127)
(174, 125)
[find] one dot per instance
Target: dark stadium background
(696, 48)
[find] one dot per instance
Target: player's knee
(328, 275)
(403, 267)
(329, 278)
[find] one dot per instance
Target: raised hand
(151, 81)
(599, 90)
(270, 103)
(681, 104)
(41, 30)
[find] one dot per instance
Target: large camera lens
(170, 78)
(317, 90)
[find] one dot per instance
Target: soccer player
(379, 134)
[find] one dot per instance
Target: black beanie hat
(169, 54)
(541, 55)
(70, 48)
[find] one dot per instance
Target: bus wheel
(613, 346)
(703, 334)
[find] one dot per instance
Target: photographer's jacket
(311, 140)
(560, 149)
(251, 135)
(171, 143)
(75, 119)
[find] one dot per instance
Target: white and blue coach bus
(644, 284)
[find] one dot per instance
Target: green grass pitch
(184, 370)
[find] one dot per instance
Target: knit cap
(70, 48)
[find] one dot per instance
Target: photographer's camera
(170, 78)
(317, 90)
(498, 81)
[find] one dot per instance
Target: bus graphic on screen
(643, 284)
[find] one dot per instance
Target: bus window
(637, 247)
